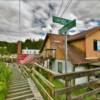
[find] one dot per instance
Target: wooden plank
(46, 70)
(79, 74)
(68, 89)
(93, 92)
(41, 88)
(44, 80)
(27, 69)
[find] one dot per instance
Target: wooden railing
(44, 85)
(44, 77)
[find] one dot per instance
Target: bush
(5, 73)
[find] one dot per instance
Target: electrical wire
(66, 7)
(59, 10)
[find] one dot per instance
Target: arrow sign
(60, 20)
(68, 26)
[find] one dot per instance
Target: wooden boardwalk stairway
(21, 88)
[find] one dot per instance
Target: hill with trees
(11, 48)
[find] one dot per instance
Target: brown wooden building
(83, 51)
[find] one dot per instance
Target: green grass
(58, 84)
(77, 92)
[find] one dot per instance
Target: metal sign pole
(67, 83)
(66, 52)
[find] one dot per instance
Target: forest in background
(11, 48)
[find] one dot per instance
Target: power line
(59, 10)
(66, 7)
(19, 15)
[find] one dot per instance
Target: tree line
(11, 48)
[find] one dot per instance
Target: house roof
(82, 34)
(53, 38)
(71, 38)
(76, 56)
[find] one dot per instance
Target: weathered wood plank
(43, 79)
(68, 89)
(73, 75)
(46, 70)
(67, 77)
(41, 88)
(93, 92)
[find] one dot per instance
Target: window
(60, 66)
(97, 45)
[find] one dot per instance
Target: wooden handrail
(36, 70)
(45, 81)
(70, 89)
(73, 75)
(36, 76)
(81, 97)
(46, 70)
(41, 88)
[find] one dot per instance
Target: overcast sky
(36, 16)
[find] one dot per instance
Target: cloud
(36, 15)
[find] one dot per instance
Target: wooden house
(83, 52)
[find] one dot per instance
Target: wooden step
(19, 93)
(22, 97)
(14, 85)
(18, 90)
(17, 81)
(19, 86)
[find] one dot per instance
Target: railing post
(68, 94)
(50, 78)
(53, 93)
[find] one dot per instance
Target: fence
(44, 80)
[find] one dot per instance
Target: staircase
(20, 87)
(20, 90)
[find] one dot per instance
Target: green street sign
(60, 20)
(67, 26)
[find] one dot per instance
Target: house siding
(59, 54)
(90, 52)
(70, 68)
(80, 44)
(55, 66)
(82, 79)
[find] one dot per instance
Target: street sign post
(68, 26)
(61, 21)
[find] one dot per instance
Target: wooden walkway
(21, 88)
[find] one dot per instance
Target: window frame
(61, 70)
(96, 46)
